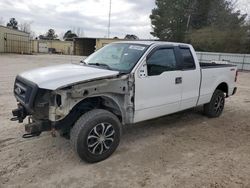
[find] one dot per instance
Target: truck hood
(54, 77)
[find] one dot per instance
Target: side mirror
(82, 62)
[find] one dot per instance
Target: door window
(160, 61)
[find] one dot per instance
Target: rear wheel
(215, 107)
(96, 135)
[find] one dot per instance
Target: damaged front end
(33, 103)
(49, 110)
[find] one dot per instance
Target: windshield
(117, 56)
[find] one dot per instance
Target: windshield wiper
(100, 64)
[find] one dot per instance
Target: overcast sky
(128, 16)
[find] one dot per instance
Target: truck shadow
(174, 121)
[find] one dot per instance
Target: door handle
(178, 80)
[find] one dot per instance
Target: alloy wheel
(100, 138)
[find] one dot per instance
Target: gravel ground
(186, 149)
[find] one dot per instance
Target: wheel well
(86, 105)
(223, 87)
(101, 102)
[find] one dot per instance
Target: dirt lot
(181, 150)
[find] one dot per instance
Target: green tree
(170, 18)
(69, 35)
(200, 13)
(246, 38)
(12, 24)
(51, 34)
(222, 15)
(223, 30)
(42, 37)
(173, 19)
(131, 37)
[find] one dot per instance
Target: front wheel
(96, 135)
(215, 107)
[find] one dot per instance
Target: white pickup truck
(122, 83)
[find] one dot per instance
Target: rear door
(190, 78)
(159, 92)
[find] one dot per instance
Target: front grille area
(25, 92)
(22, 91)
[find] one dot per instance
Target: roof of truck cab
(150, 42)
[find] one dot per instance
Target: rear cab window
(187, 59)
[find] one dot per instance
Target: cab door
(190, 78)
(158, 89)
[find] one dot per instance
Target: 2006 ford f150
(122, 83)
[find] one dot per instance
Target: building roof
(13, 29)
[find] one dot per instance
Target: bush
(212, 39)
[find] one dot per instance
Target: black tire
(95, 127)
(215, 107)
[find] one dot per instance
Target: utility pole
(109, 18)
(188, 22)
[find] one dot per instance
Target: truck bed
(214, 65)
(214, 74)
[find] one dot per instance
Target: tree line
(69, 35)
(210, 25)
(49, 35)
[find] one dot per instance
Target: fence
(241, 60)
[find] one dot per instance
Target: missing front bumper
(33, 128)
(36, 128)
(19, 114)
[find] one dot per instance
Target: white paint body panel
(157, 95)
(211, 78)
(191, 80)
(190, 88)
(54, 77)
